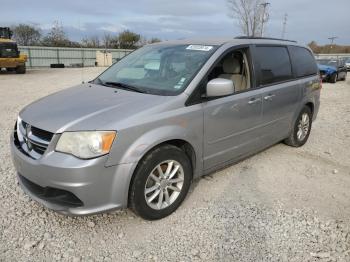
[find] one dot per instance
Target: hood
(87, 107)
(327, 68)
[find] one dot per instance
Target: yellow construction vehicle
(10, 57)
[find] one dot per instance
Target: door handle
(254, 101)
(269, 97)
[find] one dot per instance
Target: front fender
(153, 138)
(142, 140)
(331, 72)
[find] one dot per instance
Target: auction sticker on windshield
(200, 47)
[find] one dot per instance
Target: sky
(307, 19)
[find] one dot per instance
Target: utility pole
(332, 41)
(284, 25)
(264, 5)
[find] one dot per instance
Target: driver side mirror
(220, 87)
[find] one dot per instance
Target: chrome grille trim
(32, 145)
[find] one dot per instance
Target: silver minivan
(138, 134)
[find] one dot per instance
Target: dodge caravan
(138, 134)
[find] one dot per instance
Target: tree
(326, 49)
(314, 47)
(128, 39)
(143, 41)
(57, 37)
(107, 40)
(92, 42)
(154, 40)
(26, 35)
(249, 14)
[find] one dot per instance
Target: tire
(143, 181)
(21, 69)
(10, 69)
(333, 78)
(344, 78)
(294, 139)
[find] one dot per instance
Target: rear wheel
(161, 182)
(301, 129)
(21, 69)
(333, 78)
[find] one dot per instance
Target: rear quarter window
(275, 65)
(304, 63)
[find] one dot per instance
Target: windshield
(328, 62)
(8, 50)
(157, 69)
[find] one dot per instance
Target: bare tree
(26, 34)
(57, 37)
(107, 40)
(142, 41)
(249, 14)
(91, 42)
(154, 40)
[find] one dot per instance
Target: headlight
(89, 144)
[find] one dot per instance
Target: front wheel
(160, 183)
(333, 78)
(21, 69)
(301, 129)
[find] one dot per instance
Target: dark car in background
(332, 69)
(347, 63)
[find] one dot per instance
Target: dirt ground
(283, 204)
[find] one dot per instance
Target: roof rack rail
(265, 38)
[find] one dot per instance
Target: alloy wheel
(164, 184)
(303, 126)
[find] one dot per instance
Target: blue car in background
(332, 70)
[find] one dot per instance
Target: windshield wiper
(98, 81)
(123, 86)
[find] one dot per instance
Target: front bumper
(56, 177)
(11, 62)
(325, 77)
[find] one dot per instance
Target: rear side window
(303, 61)
(274, 63)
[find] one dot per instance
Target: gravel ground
(284, 204)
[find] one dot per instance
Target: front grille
(47, 136)
(51, 194)
(31, 140)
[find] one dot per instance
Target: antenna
(82, 56)
(284, 25)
